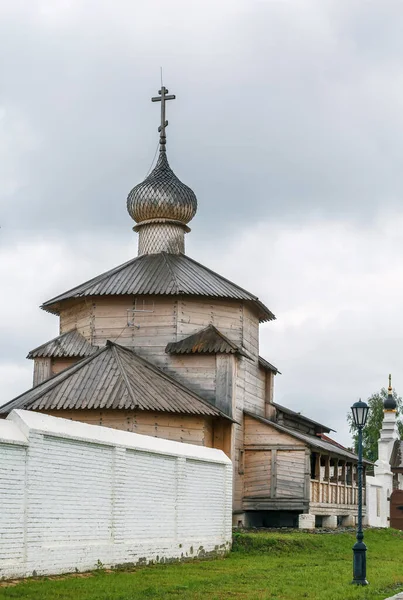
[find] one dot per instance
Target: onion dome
(162, 196)
(390, 403)
(162, 205)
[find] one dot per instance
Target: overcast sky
(288, 125)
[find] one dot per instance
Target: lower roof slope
(314, 441)
(162, 274)
(113, 377)
(319, 427)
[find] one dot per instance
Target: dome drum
(161, 236)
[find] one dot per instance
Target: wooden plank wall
(250, 394)
(254, 375)
(42, 370)
(290, 474)
(147, 323)
(257, 473)
(78, 314)
(111, 318)
(192, 429)
(59, 364)
(197, 371)
(195, 314)
(275, 462)
(262, 434)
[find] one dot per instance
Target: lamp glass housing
(360, 413)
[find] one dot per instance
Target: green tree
(371, 431)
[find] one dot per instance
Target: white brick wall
(73, 494)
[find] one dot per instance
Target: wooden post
(327, 468)
(273, 480)
(336, 478)
(269, 409)
(343, 481)
(317, 467)
(307, 481)
(327, 476)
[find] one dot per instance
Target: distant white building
(385, 488)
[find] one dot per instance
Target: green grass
(262, 566)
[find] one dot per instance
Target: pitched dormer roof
(70, 344)
(206, 341)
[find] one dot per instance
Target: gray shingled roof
(205, 341)
(298, 415)
(114, 377)
(311, 440)
(163, 273)
(70, 344)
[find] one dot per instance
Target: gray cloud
(282, 109)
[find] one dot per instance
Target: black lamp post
(360, 413)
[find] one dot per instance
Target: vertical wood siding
(42, 370)
(271, 470)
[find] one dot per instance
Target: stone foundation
(306, 521)
(348, 521)
(330, 522)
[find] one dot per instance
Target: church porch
(288, 474)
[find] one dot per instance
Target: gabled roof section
(311, 440)
(268, 366)
(70, 344)
(300, 417)
(114, 377)
(206, 341)
(163, 273)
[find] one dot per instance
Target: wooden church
(163, 346)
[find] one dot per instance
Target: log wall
(193, 429)
(42, 370)
(78, 314)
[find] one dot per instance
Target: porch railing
(326, 492)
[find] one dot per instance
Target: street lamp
(360, 413)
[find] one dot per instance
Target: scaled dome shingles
(162, 196)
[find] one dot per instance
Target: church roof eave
(161, 274)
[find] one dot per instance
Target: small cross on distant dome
(163, 97)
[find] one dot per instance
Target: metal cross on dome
(163, 97)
